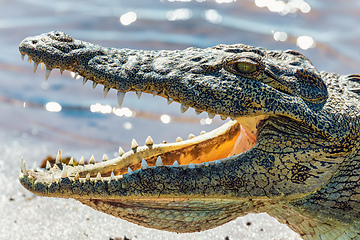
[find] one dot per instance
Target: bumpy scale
(291, 150)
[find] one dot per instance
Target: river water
(38, 117)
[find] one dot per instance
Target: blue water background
(332, 25)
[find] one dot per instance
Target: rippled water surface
(327, 32)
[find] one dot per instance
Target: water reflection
(106, 109)
(282, 7)
(205, 121)
(305, 42)
(128, 18)
(280, 36)
(213, 16)
(165, 118)
(128, 125)
(53, 107)
(225, 1)
(179, 14)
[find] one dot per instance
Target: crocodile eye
(246, 64)
(246, 67)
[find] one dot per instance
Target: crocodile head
(290, 131)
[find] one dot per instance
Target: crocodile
(290, 147)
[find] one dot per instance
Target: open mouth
(217, 146)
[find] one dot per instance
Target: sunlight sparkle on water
(128, 18)
(284, 7)
(213, 16)
(128, 125)
(280, 36)
(205, 121)
(106, 109)
(225, 1)
(100, 108)
(305, 42)
(123, 112)
(53, 107)
(165, 118)
(179, 14)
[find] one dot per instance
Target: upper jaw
(176, 75)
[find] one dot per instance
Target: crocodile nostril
(34, 41)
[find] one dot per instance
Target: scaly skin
(292, 152)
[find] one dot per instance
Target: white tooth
(191, 136)
(121, 151)
(130, 171)
(120, 98)
(112, 176)
(52, 178)
(149, 141)
(23, 167)
(22, 56)
(88, 177)
(217, 161)
(34, 167)
(35, 66)
(76, 74)
(106, 90)
(58, 157)
(202, 132)
(98, 177)
(197, 112)
(211, 116)
(170, 100)
(47, 74)
(178, 139)
(175, 164)
(138, 94)
(71, 162)
(104, 158)
(81, 162)
(61, 71)
(84, 80)
(159, 162)
(92, 159)
(77, 176)
(94, 85)
(42, 65)
(154, 93)
(64, 173)
(48, 166)
(223, 118)
(191, 165)
(144, 164)
(134, 144)
(183, 108)
(206, 164)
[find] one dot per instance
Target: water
(325, 31)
